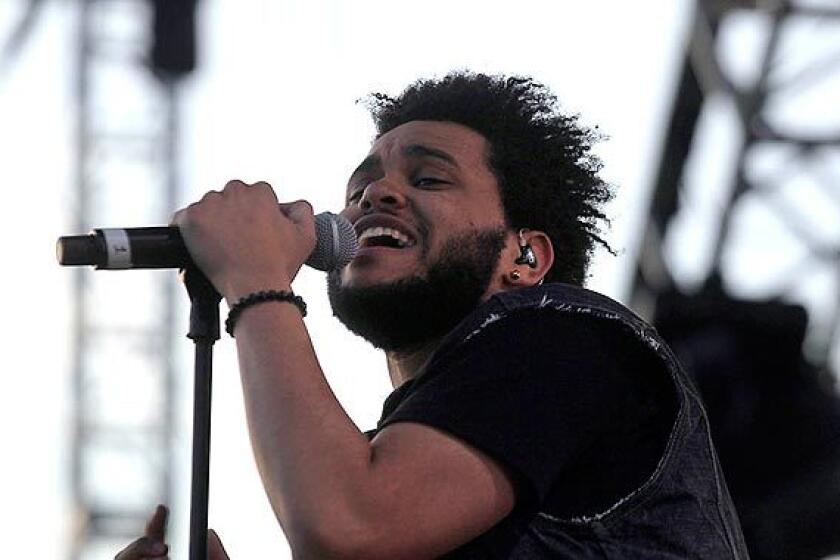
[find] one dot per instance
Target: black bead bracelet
(260, 297)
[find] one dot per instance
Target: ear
(542, 249)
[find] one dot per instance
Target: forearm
(314, 462)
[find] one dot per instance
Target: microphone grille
(336, 244)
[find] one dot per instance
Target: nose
(382, 193)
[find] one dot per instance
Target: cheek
(445, 219)
(478, 219)
(351, 213)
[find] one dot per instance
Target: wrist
(239, 288)
(261, 297)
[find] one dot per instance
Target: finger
(156, 527)
(180, 215)
(208, 195)
(214, 547)
(235, 184)
(299, 211)
(265, 189)
(143, 548)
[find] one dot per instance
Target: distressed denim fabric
(683, 510)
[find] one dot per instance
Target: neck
(409, 364)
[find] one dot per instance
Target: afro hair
(541, 157)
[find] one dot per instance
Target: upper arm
(432, 492)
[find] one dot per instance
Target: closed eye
(421, 182)
(356, 193)
(428, 181)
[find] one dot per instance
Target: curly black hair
(541, 158)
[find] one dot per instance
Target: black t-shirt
(577, 409)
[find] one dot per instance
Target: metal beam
(122, 352)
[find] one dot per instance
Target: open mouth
(385, 237)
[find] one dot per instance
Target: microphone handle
(121, 249)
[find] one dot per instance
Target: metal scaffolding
(123, 346)
(763, 199)
(786, 157)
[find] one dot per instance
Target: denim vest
(683, 510)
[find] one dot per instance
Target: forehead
(467, 146)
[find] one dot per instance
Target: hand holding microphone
(242, 243)
(236, 237)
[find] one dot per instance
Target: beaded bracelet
(259, 297)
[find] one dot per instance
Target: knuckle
(234, 184)
(185, 216)
(265, 189)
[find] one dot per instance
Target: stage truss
(743, 227)
(123, 348)
(748, 189)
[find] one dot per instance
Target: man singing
(530, 418)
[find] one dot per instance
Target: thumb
(215, 550)
(299, 211)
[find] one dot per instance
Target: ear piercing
(515, 274)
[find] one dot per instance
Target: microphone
(163, 247)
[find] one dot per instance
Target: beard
(406, 313)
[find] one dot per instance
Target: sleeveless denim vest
(683, 510)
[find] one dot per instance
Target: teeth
(401, 238)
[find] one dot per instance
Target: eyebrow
(419, 150)
(368, 164)
(373, 162)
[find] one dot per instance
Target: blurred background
(722, 120)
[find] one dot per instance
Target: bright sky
(273, 100)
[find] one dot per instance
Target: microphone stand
(204, 331)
